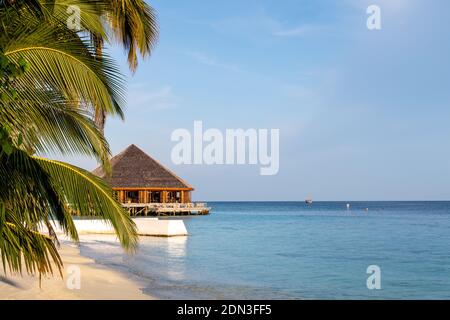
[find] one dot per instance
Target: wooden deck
(166, 209)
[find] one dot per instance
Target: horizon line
(322, 201)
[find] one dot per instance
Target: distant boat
(308, 201)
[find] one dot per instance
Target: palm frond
(90, 12)
(49, 123)
(88, 195)
(51, 104)
(20, 247)
(34, 7)
(36, 192)
(27, 193)
(59, 58)
(134, 25)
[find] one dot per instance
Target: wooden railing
(168, 205)
(167, 208)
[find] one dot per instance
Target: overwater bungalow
(145, 187)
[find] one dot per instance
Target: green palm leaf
(134, 26)
(49, 123)
(59, 58)
(90, 11)
(88, 195)
(27, 193)
(51, 105)
(36, 193)
(34, 7)
(20, 246)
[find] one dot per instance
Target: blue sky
(363, 115)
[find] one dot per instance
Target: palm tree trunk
(100, 115)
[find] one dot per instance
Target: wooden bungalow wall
(143, 195)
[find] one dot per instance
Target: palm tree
(50, 84)
(133, 25)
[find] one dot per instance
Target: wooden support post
(187, 196)
(121, 196)
(141, 196)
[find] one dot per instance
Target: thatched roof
(133, 168)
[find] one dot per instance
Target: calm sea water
(290, 250)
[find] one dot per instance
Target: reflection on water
(157, 259)
(176, 246)
(176, 251)
(166, 254)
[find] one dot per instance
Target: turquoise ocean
(291, 250)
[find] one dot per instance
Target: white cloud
(261, 26)
(253, 25)
(212, 62)
(162, 98)
(396, 6)
(300, 31)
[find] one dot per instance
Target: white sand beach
(96, 282)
